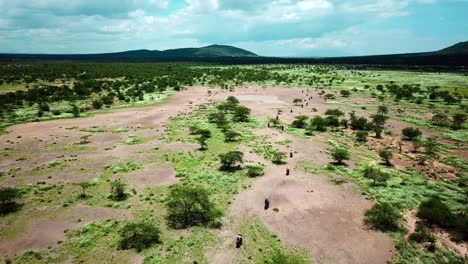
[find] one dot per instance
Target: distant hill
(456, 55)
(212, 51)
(459, 48)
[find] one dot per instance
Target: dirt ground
(313, 213)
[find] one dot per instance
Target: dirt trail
(313, 213)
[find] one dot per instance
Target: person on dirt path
(268, 124)
(307, 104)
(291, 111)
(290, 154)
(302, 105)
(282, 128)
(287, 171)
(239, 240)
(267, 203)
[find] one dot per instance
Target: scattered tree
(241, 114)
(376, 174)
(204, 135)
(361, 136)
(410, 133)
(229, 160)
(231, 135)
(386, 156)
(339, 154)
(382, 110)
(297, 101)
(190, 206)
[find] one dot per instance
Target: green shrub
(361, 136)
(139, 236)
(300, 121)
(117, 192)
(376, 174)
(383, 216)
(386, 156)
(279, 256)
(254, 170)
(229, 160)
(422, 234)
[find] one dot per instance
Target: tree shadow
(9, 207)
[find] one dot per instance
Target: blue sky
(273, 28)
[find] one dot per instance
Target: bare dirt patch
(44, 232)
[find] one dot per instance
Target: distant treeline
(384, 61)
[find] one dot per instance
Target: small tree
(8, 197)
(75, 110)
(300, 121)
(190, 206)
(297, 101)
(139, 236)
(378, 122)
(383, 216)
(411, 133)
(386, 156)
(230, 159)
(205, 134)
(361, 136)
(376, 174)
(117, 192)
(344, 123)
(232, 100)
(382, 110)
(339, 154)
(334, 112)
(84, 186)
(431, 147)
(241, 114)
(458, 120)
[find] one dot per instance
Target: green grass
(124, 167)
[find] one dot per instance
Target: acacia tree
(376, 174)
(228, 160)
(241, 114)
(378, 123)
(204, 135)
(300, 121)
(339, 154)
(297, 101)
(190, 206)
(386, 156)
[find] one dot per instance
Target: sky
(271, 28)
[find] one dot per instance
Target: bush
(345, 93)
(411, 133)
(361, 136)
(277, 157)
(318, 123)
(383, 216)
(339, 154)
(190, 206)
(458, 120)
(97, 104)
(139, 236)
(334, 112)
(422, 234)
(441, 120)
(435, 212)
(278, 256)
(118, 191)
(300, 121)
(254, 171)
(8, 197)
